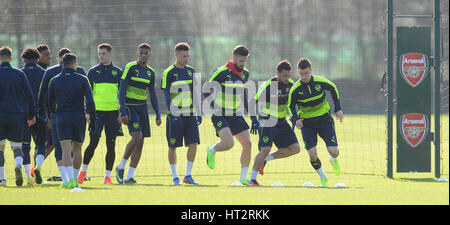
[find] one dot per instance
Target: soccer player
(16, 105)
(34, 75)
(177, 84)
(43, 107)
(44, 62)
(227, 115)
(313, 116)
(274, 108)
(137, 77)
(66, 96)
(104, 79)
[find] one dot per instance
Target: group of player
(53, 105)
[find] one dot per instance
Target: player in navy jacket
(16, 105)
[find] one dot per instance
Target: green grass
(362, 158)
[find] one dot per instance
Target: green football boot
(244, 182)
(324, 182)
(64, 185)
(210, 158)
(336, 167)
(73, 183)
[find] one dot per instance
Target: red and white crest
(414, 68)
(414, 128)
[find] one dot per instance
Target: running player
(137, 77)
(16, 105)
(177, 84)
(313, 116)
(43, 106)
(34, 75)
(274, 108)
(227, 115)
(66, 96)
(104, 79)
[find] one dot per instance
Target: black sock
(26, 154)
(2, 159)
(317, 164)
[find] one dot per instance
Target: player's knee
(228, 143)
(312, 154)
(137, 137)
(294, 149)
(246, 145)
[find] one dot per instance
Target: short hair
(304, 63)
(145, 46)
(284, 65)
(69, 59)
(241, 50)
(106, 46)
(42, 47)
(63, 51)
(30, 54)
(182, 46)
(5, 51)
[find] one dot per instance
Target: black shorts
(237, 124)
(322, 126)
(11, 126)
(108, 120)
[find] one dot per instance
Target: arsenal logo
(414, 68)
(414, 128)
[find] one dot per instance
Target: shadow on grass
(426, 180)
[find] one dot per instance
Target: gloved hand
(255, 125)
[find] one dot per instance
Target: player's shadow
(426, 180)
(96, 188)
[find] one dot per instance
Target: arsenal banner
(413, 87)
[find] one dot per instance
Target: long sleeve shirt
(43, 90)
(133, 87)
(231, 90)
(311, 98)
(181, 82)
(105, 81)
(34, 74)
(15, 91)
(67, 93)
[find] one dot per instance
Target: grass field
(363, 161)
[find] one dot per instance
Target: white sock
(40, 159)
(254, 174)
(2, 173)
(189, 166)
(321, 173)
(173, 168)
(63, 172)
(244, 172)
(212, 150)
(75, 173)
(332, 159)
(130, 173)
(69, 171)
(27, 169)
(84, 168)
(19, 160)
(108, 173)
(122, 164)
(269, 157)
